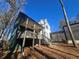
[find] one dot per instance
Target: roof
(72, 24)
(57, 32)
(22, 17)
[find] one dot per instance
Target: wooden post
(67, 23)
(24, 36)
(40, 39)
(33, 37)
(39, 42)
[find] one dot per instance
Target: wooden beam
(33, 37)
(39, 37)
(39, 42)
(24, 35)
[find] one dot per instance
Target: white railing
(33, 35)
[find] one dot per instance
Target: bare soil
(57, 51)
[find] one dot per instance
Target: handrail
(29, 34)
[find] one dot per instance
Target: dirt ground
(55, 51)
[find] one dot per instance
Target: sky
(51, 10)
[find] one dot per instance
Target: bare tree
(7, 17)
(15, 6)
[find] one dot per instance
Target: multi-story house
(46, 30)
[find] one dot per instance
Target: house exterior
(46, 29)
(64, 34)
(75, 30)
(23, 32)
(58, 37)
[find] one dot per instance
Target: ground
(55, 51)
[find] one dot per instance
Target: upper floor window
(47, 27)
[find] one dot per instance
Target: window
(46, 27)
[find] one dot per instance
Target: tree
(62, 23)
(8, 11)
(8, 14)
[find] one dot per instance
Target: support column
(24, 36)
(33, 37)
(39, 42)
(43, 38)
(40, 37)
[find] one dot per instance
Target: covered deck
(30, 29)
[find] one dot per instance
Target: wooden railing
(29, 34)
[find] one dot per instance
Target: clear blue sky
(51, 10)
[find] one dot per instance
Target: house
(75, 30)
(46, 30)
(64, 34)
(58, 37)
(24, 32)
